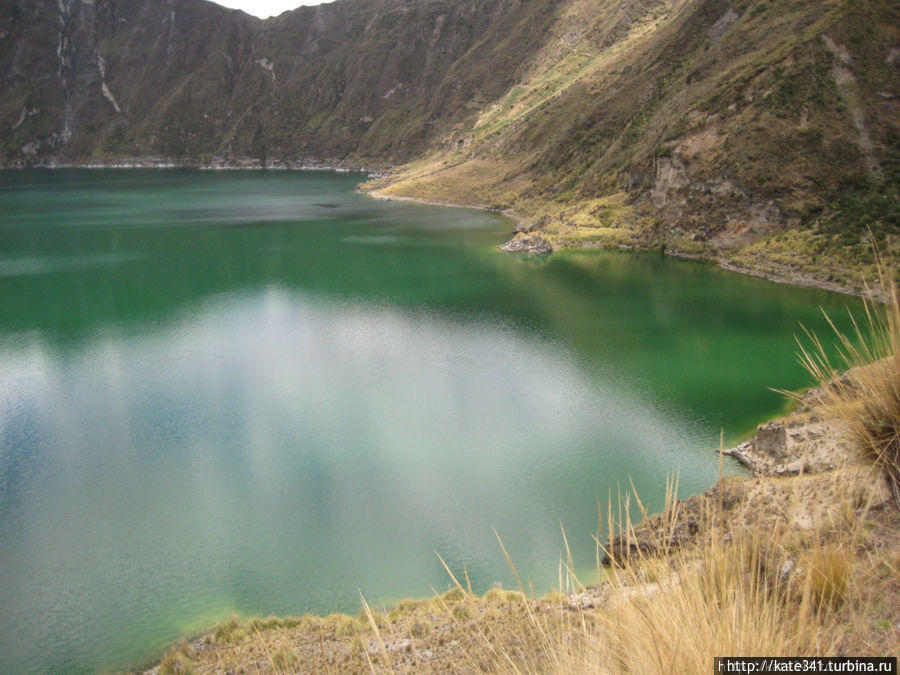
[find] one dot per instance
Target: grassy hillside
(187, 80)
(764, 134)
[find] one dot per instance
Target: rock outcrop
(799, 443)
(527, 243)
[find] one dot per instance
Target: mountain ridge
(189, 80)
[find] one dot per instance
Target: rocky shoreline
(801, 465)
(522, 241)
(381, 195)
(530, 243)
(215, 164)
(799, 443)
(793, 278)
(525, 239)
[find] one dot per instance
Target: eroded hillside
(762, 133)
(186, 80)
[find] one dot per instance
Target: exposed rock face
(189, 80)
(795, 444)
(528, 243)
(670, 175)
(809, 448)
(771, 440)
(658, 533)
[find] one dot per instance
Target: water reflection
(274, 451)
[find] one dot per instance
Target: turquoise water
(258, 392)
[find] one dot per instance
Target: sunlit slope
(698, 126)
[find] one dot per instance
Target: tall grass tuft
(284, 660)
(178, 661)
(866, 399)
(829, 573)
(739, 591)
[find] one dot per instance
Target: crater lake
(262, 392)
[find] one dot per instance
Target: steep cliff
(765, 134)
(189, 80)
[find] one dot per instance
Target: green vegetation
(869, 207)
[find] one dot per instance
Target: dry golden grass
(867, 397)
(744, 586)
(739, 591)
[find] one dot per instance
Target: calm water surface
(259, 392)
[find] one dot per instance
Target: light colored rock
(670, 175)
(527, 243)
(720, 27)
(771, 440)
(812, 446)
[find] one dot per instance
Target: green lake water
(258, 392)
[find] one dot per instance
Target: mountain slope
(762, 133)
(186, 79)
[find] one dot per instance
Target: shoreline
(543, 247)
(381, 196)
(214, 165)
(801, 282)
(724, 263)
(794, 460)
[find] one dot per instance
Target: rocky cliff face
(95, 80)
